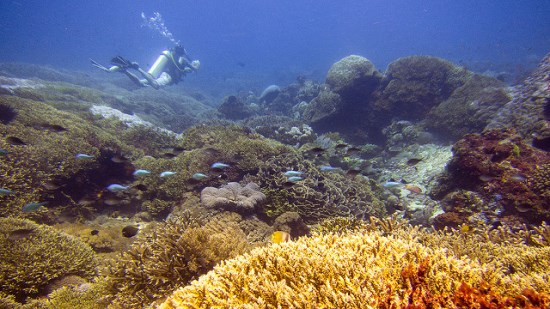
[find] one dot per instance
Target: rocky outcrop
(529, 111)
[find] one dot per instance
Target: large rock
(413, 85)
(353, 75)
(469, 108)
(529, 111)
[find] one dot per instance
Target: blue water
(277, 40)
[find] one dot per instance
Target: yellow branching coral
(175, 253)
(366, 270)
(32, 256)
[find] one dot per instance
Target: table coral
(368, 270)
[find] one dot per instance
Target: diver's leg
(150, 80)
(135, 79)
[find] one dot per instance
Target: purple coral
(233, 196)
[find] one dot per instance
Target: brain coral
(232, 196)
(366, 270)
(32, 256)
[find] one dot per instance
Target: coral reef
(319, 195)
(413, 85)
(233, 196)
(353, 76)
(529, 111)
(469, 108)
(42, 165)
(232, 107)
(172, 254)
(33, 256)
(510, 176)
(366, 269)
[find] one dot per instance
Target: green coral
(33, 255)
(49, 155)
(319, 195)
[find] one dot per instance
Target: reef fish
(83, 156)
(219, 165)
(199, 176)
(33, 206)
(116, 187)
(15, 141)
(130, 231)
(3, 152)
(391, 184)
(141, 172)
(167, 173)
(20, 233)
(6, 191)
(280, 236)
(413, 188)
(328, 168)
(413, 161)
(292, 173)
(295, 178)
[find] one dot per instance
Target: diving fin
(99, 66)
(121, 62)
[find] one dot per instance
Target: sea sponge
(172, 254)
(32, 256)
(367, 270)
(233, 196)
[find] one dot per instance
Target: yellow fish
(279, 237)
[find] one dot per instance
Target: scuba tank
(160, 64)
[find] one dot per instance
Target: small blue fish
(391, 184)
(167, 173)
(219, 165)
(141, 172)
(327, 168)
(33, 206)
(116, 187)
(6, 191)
(293, 173)
(199, 176)
(83, 156)
(3, 152)
(295, 178)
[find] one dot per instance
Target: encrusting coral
(233, 196)
(33, 256)
(174, 253)
(364, 269)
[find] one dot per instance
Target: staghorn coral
(233, 196)
(33, 256)
(368, 270)
(174, 253)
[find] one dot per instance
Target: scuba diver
(169, 68)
